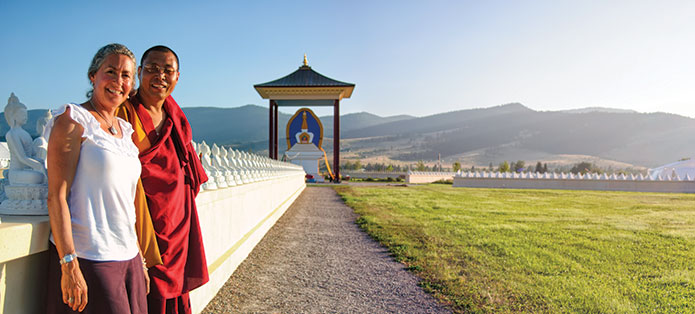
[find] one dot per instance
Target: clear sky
(405, 57)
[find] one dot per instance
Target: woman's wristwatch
(68, 258)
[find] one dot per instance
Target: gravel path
(316, 260)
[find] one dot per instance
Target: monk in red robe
(168, 227)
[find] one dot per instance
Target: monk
(167, 218)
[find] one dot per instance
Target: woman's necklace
(112, 129)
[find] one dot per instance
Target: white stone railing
(570, 181)
(233, 220)
(227, 167)
(372, 174)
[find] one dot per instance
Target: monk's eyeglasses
(155, 69)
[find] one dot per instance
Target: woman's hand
(147, 278)
(73, 286)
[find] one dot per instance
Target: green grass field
(538, 251)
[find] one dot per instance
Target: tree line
(518, 166)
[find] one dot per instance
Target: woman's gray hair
(100, 57)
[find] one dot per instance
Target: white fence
(372, 174)
(570, 181)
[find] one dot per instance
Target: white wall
(371, 174)
(574, 182)
(233, 220)
(23, 267)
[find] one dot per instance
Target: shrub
(444, 181)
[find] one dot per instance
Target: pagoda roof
(305, 76)
(305, 87)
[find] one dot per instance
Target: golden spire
(304, 124)
(305, 62)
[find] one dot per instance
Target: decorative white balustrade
(432, 173)
(570, 181)
(227, 167)
(567, 176)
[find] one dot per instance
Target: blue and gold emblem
(304, 128)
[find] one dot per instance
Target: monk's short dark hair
(161, 48)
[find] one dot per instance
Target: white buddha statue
(210, 171)
(238, 159)
(219, 175)
(240, 173)
(25, 168)
(219, 164)
(41, 142)
(26, 187)
(225, 161)
(253, 174)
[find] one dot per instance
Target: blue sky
(405, 57)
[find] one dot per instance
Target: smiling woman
(93, 169)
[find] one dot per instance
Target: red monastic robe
(171, 177)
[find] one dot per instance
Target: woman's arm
(144, 267)
(63, 154)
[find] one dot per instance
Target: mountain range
(473, 136)
(476, 136)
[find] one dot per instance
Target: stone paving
(316, 260)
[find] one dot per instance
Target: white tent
(680, 168)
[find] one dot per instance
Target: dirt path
(316, 260)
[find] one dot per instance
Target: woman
(93, 168)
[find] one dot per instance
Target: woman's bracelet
(67, 258)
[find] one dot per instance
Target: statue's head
(41, 122)
(203, 148)
(15, 112)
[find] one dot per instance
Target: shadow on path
(317, 260)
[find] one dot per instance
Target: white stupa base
(307, 156)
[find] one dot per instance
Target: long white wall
(567, 181)
(233, 220)
(372, 174)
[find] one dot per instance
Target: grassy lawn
(539, 251)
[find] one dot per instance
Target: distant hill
(437, 122)
(243, 125)
(506, 132)
(230, 126)
(636, 138)
(356, 121)
(478, 136)
(598, 109)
